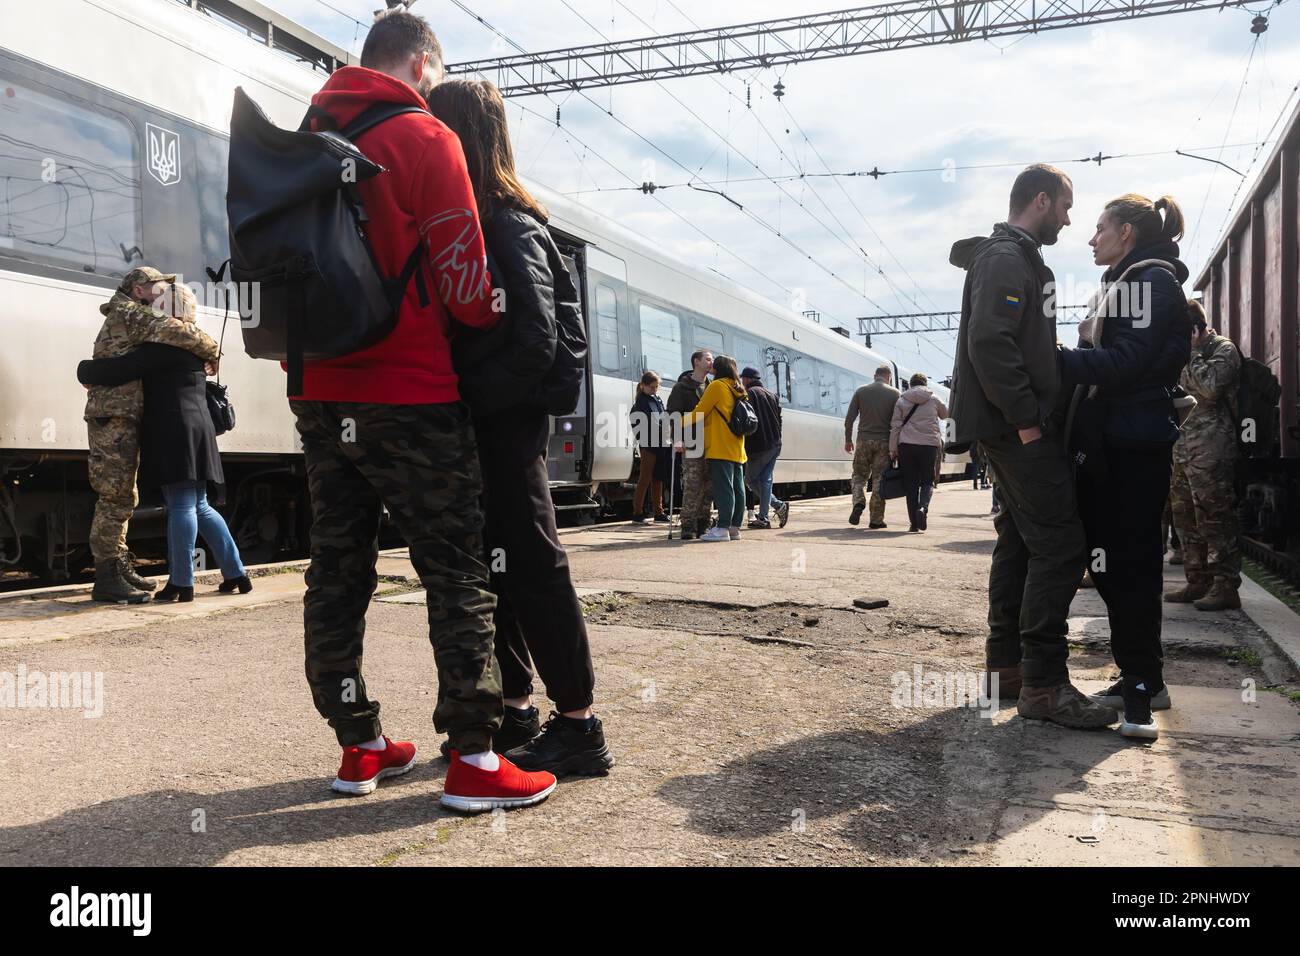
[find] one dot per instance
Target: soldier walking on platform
(1201, 492)
(872, 406)
(1005, 385)
(147, 306)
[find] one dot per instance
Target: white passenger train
(113, 146)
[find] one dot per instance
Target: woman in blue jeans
(178, 453)
(724, 449)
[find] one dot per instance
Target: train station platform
(757, 714)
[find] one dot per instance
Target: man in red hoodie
(384, 427)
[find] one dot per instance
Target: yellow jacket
(715, 408)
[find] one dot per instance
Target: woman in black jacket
(514, 377)
(1121, 431)
(647, 419)
(178, 453)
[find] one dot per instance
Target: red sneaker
(471, 790)
(362, 769)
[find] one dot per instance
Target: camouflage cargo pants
(421, 462)
(114, 459)
(1204, 504)
(697, 494)
(870, 459)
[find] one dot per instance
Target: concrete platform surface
(757, 717)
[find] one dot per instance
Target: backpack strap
(374, 114)
(908, 417)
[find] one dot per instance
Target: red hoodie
(424, 195)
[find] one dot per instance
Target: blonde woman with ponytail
(1121, 429)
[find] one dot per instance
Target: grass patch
(1244, 655)
(1271, 583)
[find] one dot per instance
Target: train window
(827, 400)
(748, 354)
(804, 373)
(706, 338)
(185, 199)
(776, 364)
(661, 342)
(847, 388)
(607, 328)
(69, 183)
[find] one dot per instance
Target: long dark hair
(724, 366)
(476, 113)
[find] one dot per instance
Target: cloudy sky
(1199, 82)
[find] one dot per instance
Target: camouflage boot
(131, 577)
(1066, 705)
(112, 587)
(1193, 591)
(1222, 597)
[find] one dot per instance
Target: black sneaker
(782, 514)
(661, 519)
(515, 731)
(638, 519)
(563, 749)
(877, 525)
(921, 519)
(856, 514)
(1138, 722)
(760, 524)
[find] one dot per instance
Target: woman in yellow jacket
(724, 450)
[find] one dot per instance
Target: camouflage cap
(144, 275)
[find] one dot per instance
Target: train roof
(1268, 175)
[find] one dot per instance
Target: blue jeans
(758, 476)
(188, 514)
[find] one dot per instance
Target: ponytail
(1173, 227)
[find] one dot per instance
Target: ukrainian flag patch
(1013, 299)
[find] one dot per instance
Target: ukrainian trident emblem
(164, 154)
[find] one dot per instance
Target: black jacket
(177, 440)
(507, 365)
(1005, 374)
(647, 418)
(686, 394)
(768, 409)
(1136, 364)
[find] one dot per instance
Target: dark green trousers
(421, 462)
(1038, 559)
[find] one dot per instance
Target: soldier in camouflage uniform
(872, 407)
(147, 307)
(697, 481)
(1201, 489)
(421, 462)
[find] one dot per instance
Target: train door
(567, 454)
(615, 366)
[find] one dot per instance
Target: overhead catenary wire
(879, 173)
(658, 149)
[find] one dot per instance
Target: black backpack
(1257, 395)
(298, 230)
(743, 420)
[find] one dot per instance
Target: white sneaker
(734, 533)
(715, 534)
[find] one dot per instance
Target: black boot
(111, 587)
(172, 592)
(130, 575)
(230, 585)
(856, 514)
(564, 747)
